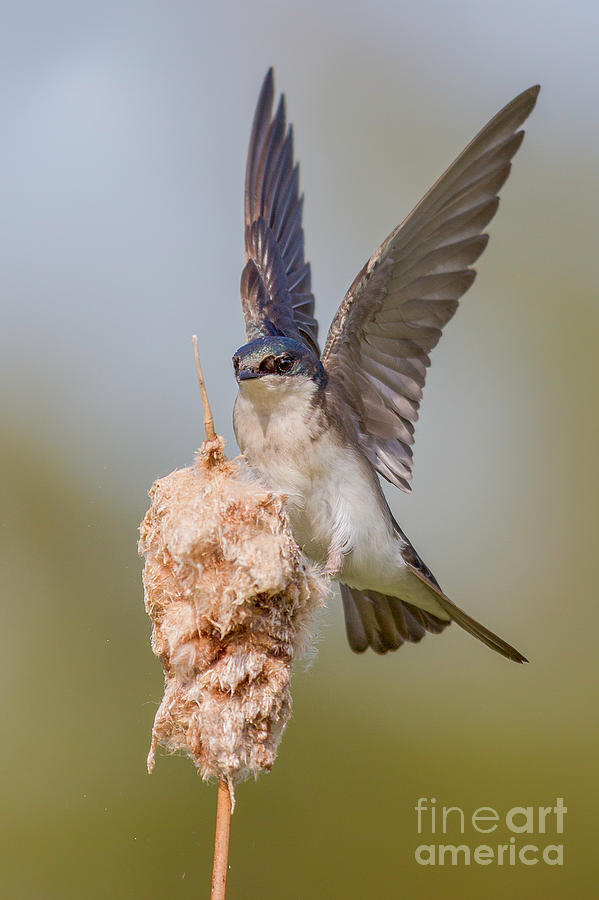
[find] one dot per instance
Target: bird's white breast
(334, 503)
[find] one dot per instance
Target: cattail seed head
(232, 602)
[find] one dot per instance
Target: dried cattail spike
(232, 602)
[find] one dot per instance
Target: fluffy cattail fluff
(232, 603)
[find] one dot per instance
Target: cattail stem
(208, 420)
(221, 842)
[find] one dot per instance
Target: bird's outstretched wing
(393, 314)
(276, 291)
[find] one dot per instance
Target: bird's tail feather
(384, 623)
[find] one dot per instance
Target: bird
(321, 428)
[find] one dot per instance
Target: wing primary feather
(377, 349)
(259, 128)
(461, 618)
(274, 236)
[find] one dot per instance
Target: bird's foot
(334, 563)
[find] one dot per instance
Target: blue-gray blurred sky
(125, 127)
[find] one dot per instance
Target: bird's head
(274, 359)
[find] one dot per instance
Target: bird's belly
(343, 514)
(334, 502)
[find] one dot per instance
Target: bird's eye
(284, 364)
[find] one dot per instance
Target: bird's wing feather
(386, 622)
(393, 314)
(476, 629)
(276, 283)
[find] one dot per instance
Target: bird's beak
(246, 374)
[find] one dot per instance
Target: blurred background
(125, 127)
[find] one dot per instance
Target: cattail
(232, 603)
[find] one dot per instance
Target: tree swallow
(320, 427)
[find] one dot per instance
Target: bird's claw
(334, 563)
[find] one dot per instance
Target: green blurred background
(124, 139)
